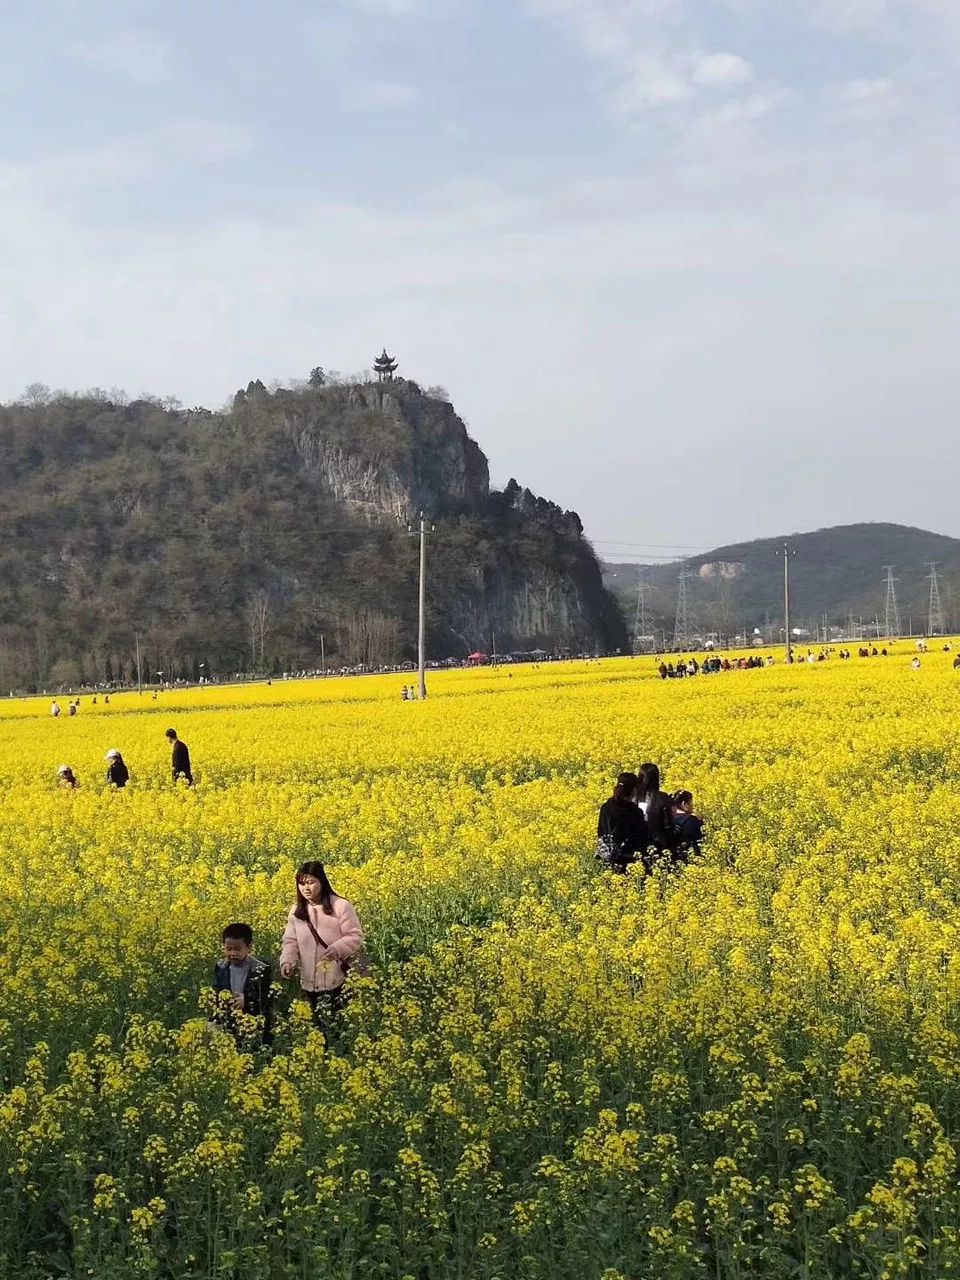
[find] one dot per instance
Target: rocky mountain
(238, 539)
(836, 572)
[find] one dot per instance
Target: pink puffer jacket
(322, 969)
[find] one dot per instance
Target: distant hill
(238, 539)
(837, 571)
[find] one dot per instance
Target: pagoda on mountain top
(385, 366)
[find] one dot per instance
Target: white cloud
(849, 15)
(650, 82)
(734, 116)
(717, 70)
(394, 8)
(647, 56)
(120, 161)
(382, 95)
(141, 58)
(866, 90)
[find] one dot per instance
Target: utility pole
(681, 639)
(935, 625)
(892, 618)
(323, 657)
(139, 676)
(787, 553)
(421, 619)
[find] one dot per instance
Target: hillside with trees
(233, 541)
(836, 573)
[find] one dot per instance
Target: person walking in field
(322, 936)
(54, 708)
(622, 827)
(118, 775)
(181, 758)
(66, 778)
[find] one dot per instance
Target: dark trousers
(325, 1005)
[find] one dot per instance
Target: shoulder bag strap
(316, 937)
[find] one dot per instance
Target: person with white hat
(118, 775)
(67, 778)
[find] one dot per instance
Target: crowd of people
(73, 706)
(710, 665)
(118, 773)
(641, 823)
(322, 943)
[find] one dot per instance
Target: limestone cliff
(238, 539)
(389, 448)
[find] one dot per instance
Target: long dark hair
(626, 787)
(649, 780)
(327, 895)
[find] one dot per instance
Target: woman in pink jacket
(322, 935)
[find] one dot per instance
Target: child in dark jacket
(246, 978)
(688, 826)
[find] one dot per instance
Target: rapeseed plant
(747, 1068)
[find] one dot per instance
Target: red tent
(477, 657)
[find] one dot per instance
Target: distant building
(385, 366)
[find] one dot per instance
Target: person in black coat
(118, 775)
(181, 758)
(657, 807)
(622, 828)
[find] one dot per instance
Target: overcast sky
(687, 266)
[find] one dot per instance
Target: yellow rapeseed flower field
(747, 1068)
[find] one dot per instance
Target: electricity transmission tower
(640, 618)
(935, 616)
(681, 634)
(892, 620)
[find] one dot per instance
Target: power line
(628, 558)
(658, 546)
